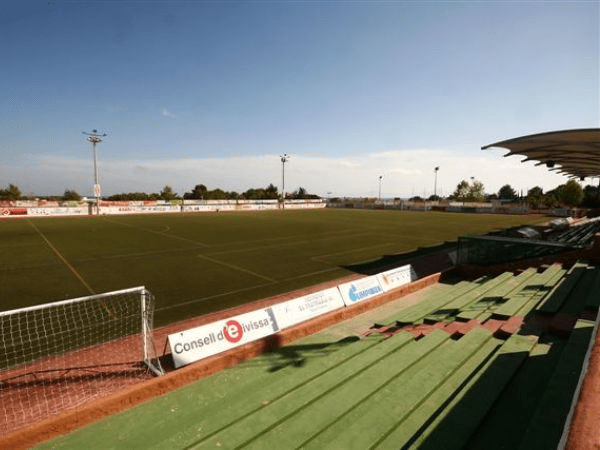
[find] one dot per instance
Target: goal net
(58, 356)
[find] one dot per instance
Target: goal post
(148, 348)
(60, 355)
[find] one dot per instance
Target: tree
(466, 192)
(198, 193)
(462, 191)
(300, 193)
(271, 192)
(477, 192)
(571, 193)
(591, 196)
(506, 192)
(254, 194)
(217, 194)
(535, 197)
(71, 195)
(167, 193)
(12, 193)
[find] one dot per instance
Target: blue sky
(213, 92)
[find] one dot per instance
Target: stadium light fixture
(94, 138)
(284, 158)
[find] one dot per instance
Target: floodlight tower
(435, 182)
(284, 159)
(94, 138)
(380, 178)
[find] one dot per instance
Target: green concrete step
(497, 296)
(453, 428)
(295, 412)
(546, 425)
(557, 296)
(368, 423)
(417, 312)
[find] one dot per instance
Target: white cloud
(405, 173)
(165, 112)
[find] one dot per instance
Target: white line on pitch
(162, 233)
(249, 288)
(62, 258)
(238, 268)
(289, 244)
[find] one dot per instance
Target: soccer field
(199, 263)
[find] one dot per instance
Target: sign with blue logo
(359, 290)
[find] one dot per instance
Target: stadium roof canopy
(575, 153)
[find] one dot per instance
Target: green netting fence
(490, 250)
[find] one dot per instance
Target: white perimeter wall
(31, 208)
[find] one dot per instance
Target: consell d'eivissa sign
(197, 343)
(206, 340)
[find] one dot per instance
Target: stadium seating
(391, 390)
(488, 363)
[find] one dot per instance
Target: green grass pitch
(199, 263)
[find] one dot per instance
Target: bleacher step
(557, 296)
(545, 428)
(408, 431)
(365, 425)
(291, 419)
(454, 427)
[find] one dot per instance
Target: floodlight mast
(94, 138)
(435, 183)
(284, 158)
(380, 178)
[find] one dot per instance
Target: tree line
(199, 192)
(570, 194)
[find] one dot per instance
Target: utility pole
(284, 159)
(94, 138)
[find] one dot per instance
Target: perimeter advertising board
(397, 277)
(359, 290)
(197, 343)
(307, 307)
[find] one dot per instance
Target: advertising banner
(395, 278)
(307, 307)
(197, 343)
(13, 211)
(57, 211)
(187, 208)
(139, 209)
(359, 290)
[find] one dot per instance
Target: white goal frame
(78, 346)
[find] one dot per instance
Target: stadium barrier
(37, 208)
(197, 343)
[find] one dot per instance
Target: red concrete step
(461, 328)
(493, 324)
(510, 327)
